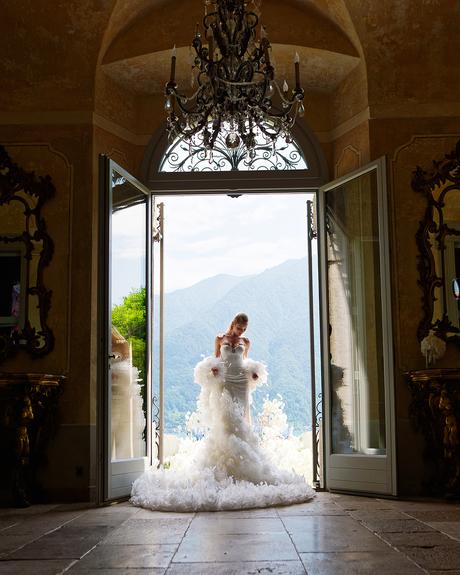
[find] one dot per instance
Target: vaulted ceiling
(52, 52)
(139, 55)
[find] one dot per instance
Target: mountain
(277, 305)
(185, 305)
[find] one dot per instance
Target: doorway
(353, 253)
(224, 254)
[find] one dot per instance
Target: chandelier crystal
(236, 91)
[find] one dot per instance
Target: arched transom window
(281, 154)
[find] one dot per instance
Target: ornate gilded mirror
(25, 249)
(438, 240)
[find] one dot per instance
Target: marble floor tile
(41, 524)
(37, 509)
(127, 557)
(222, 547)
(149, 514)
(353, 502)
(436, 515)
(78, 570)
(435, 557)
(451, 528)
(96, 518)
(66, 542)
(235, 525)
(48, 567)
(149, 531)
(369, 514)
(396, 525)
(326, 508)
(323, 534)
(361, 563)
(9, 543)
(417, 539)
(266, 512)
(238, 568)
(7, 522)
(424, 504)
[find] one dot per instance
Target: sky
(209, 235)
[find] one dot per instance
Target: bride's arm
(247, 345)
(217, 345)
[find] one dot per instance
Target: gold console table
(28, 411)
(435, 411)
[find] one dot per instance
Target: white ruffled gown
(226, 469)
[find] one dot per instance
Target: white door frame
(117, 476)
(370, 474)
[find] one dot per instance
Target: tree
(130, 319)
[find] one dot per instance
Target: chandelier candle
(173, 65)
(237, 93)
(297, 70)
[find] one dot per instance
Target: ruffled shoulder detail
(256, 368)
(203, 374)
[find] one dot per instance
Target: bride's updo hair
(239, 319)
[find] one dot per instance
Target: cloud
(209, 235)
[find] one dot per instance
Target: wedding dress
(226, 468)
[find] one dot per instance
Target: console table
(435, 411)
(28, 410)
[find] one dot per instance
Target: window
(181, 156)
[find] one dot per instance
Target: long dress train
(226, 469)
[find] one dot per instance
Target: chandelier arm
(296, 96)
(243, 84)
(267, 133)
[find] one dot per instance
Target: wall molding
(86, 117)
(353, 150)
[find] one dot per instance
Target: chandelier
(236, 94)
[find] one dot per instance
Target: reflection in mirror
(438, 240)
(25, 249)
(11, 296)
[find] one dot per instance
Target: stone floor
(335, 534)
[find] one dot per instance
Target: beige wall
(64, 153)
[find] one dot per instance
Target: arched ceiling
(51, 50)
(138, 56)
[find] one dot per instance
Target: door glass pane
(128, 251)
(355, 318)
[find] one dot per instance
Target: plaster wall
(408, 143)
(64, 152)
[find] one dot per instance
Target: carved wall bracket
(28, 418)
(435, 411)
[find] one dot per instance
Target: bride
(227, 468)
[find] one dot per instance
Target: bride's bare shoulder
(246, 340)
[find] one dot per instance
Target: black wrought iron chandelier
(236, 92)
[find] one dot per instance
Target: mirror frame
(445, 173)
(32, 192)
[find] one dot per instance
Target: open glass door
(125, 300)
(357, 334)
